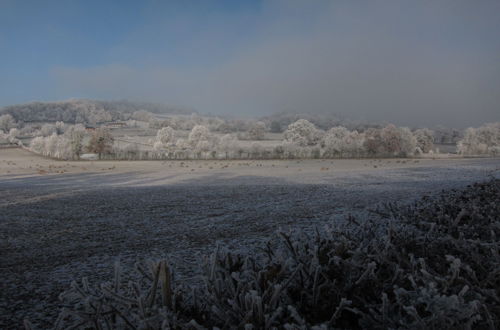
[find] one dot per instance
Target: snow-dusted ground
(61, 221)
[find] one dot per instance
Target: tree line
(301, 139)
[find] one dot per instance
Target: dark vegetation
(433, 264)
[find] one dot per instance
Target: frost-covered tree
(165, 138)
(256, 150)
(37, 145)
(129, 151)
(339, 141)
(481, 140)
(334, 140)
(373, 143)
(425, 139)
(202, 146)
(290, 149)
(216, 124)
(101, 142)
(157, 146)
(278, 151)
(6, 123)
(302, 133)
(64, 146)
(408, 142)
(51, 144)
(14, 133)
(131, 148)
(398, 140)
(257, 131)
(200, 138)
(99, 116)
(391, 139)
(354, 144)
(75, 135)
(27, 130)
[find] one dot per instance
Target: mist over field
(270, 164)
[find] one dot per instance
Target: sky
(412, 63)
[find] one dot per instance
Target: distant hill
(85, 111)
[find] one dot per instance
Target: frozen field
(61, 221)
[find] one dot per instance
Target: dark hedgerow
(433, 264)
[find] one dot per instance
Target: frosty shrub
(433, 264)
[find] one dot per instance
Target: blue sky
(38, 36)
(409, 62)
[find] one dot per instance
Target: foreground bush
(433, 264)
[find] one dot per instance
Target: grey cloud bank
(411, 63)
